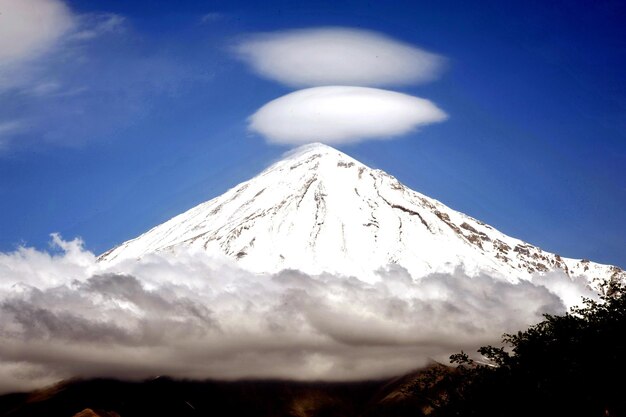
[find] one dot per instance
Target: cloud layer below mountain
(193, 316)
(339, 114)
(338, 56)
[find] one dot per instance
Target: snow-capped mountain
(319, 210)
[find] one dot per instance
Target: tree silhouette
(569, 365)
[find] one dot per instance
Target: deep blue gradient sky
(150, 119)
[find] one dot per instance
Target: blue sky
(139, 111)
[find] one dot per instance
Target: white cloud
(193, 316)
(78, 87)
(211, 17)
(36, 35)
(338, 114)
(98, 24)
(338, 56)
(10, 127)
(29, 28)
(7, 130)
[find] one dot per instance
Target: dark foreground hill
(167, 397)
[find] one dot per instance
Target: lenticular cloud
(330, 56)
(340, 114)
(189, 315)
(334, 61)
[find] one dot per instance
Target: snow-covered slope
(319, 210)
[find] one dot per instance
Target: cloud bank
(338, 114)
(193, 316)
(338, 56)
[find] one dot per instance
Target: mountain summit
(319, 210)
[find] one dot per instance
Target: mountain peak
(317, 159)
(319, 210)
(315, 148)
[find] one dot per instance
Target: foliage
(570, 365)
